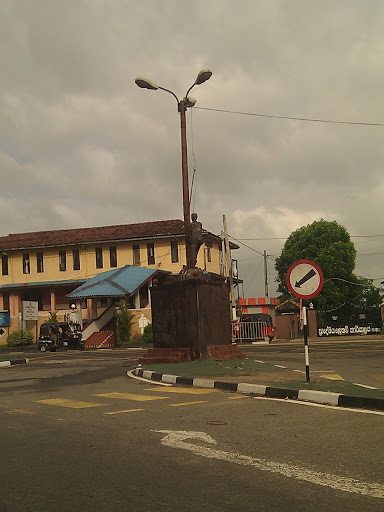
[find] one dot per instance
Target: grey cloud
(87, 146)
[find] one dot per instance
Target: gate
(249, 331)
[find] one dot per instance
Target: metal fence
(249, 331)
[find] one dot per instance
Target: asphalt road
(78, 435)
(360, 361)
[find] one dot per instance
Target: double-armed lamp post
(182, 106)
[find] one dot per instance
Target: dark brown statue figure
(195, 239)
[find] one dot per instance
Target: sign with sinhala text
(30, 310)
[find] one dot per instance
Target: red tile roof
(62, 237)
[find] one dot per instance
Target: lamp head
(203, 76)
(189, 102)
(145, 84)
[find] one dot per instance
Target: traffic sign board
(304, 279)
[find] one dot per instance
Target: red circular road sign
(305, 279)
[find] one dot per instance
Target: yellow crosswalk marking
(17, 411)
(71, 404)
(121, 412)
(189, 403)
(190, 391)
(333, 376)
(129, 396)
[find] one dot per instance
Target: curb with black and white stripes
(307, 395)
(13, 362)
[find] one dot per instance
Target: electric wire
(293, 118)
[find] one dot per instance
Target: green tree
(328, 244)
(124, 321)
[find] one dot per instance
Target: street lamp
(182, 106)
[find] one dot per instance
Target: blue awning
(115, 283)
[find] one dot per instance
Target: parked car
(54, 335)
(254, 326)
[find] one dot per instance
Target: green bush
(124, 321)
(19, 339)
(148, 334)
(52, 317)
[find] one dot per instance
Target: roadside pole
(306, 348)
(229, 270)
(305, 280)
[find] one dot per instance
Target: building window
(26, 263)
(136, 254)
(6, 301)
(151, 254)
(76, 259)
(39, 262)
(62, 261)
(99, 257)
(112, 256)
(174, 252)
(4, 264)
(208, 246)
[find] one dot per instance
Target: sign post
(29, 311)
(305, 280)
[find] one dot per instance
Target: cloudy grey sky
(82, 145)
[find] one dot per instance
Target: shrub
(19, 339)
(148, 334)
(124, 321)
(52, 317)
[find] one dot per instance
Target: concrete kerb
(307, 395)
(13, 362)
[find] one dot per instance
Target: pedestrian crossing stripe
(190, 391)
(333, 376)
(17, 411)
(121, 412)
(129, 396)
(71, 404)
(189, 403)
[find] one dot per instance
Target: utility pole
(228, 265)
(265, 275)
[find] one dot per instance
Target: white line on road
(326, 406)
(177, 439)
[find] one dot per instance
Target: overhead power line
(293, 118)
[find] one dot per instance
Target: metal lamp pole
(182, 106)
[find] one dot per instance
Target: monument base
(181, 355)
(191, 311)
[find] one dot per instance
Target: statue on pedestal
(195, 239)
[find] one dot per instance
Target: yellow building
(46, 266)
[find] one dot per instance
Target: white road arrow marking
(177, 439)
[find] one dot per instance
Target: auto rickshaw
(57, 335)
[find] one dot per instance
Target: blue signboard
(5, 319)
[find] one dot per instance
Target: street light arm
(190, 89)
(170, 92)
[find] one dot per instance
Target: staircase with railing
(100, 333)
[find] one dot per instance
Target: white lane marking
(363, 385)
(177, 439)
(279, 366)
(327, 406)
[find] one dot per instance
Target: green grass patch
(212, 368)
